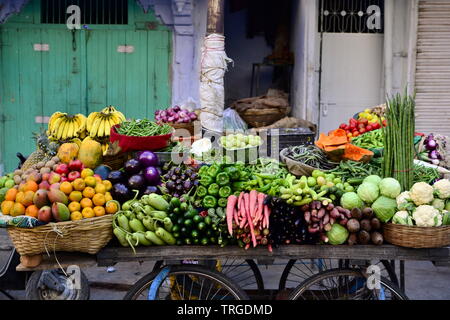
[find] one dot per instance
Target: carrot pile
(248, 218)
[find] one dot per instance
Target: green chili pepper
(225, 191)
(238, 186)
(213, 189)
(209, 202)
(264, 189)
(222, 179)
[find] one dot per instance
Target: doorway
(351, 59)
(45, 67)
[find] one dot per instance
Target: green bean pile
(357, 170)
(425, 174)
(143, 128)
(311, 156)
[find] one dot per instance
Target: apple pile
(360, 126)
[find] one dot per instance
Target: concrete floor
(423, 279)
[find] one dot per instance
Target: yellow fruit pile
(89, 196)
(370, 116)
(63, 126)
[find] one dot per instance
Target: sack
(289, 122)
(232, 121)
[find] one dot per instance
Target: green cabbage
(368, 192)
(350, 200)
(384, 208)
(338, 234)
(372, 179)
(389, 187)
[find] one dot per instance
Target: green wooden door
(83, 71)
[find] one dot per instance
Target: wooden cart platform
(110, 255)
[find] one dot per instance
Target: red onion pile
(175, 115)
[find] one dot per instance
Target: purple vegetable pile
(175, 115)
(140, 173)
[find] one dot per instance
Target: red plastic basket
(130, 143)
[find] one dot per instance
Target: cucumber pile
(191, 227)
(144, 222)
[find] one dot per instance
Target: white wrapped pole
(214, 63)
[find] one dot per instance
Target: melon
(90, 153)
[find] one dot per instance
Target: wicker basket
(87, 235)
(263, 117)
(116, 162)
(296, 167)
(417, 237)
(187, 126)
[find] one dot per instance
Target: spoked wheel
(243, 272)
(346, 284)
(186, 282)
(297, 271)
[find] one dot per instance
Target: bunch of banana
(99, 124)
(105, 147)
(63, 126)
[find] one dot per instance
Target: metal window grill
(92, 11)
(351, 16)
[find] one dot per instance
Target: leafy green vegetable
(390, 187)
(368, 192)
(350, 200)
(373, 179)
(384, 208)
(338, 234)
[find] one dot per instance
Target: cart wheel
(297, 271)
(188, 282)
(345, 284)
(244, 272)
(55, 285)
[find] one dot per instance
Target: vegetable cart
(192, 273)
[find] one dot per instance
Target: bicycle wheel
(345, 284)
(297, 271)
(243, 272)
(188, 282)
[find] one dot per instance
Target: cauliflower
(442, 188)
(404, 201)
(421, 193)
(427, 216)
(402, 217)
(438, 204)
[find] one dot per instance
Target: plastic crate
(289, 137)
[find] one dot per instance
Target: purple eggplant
(132, 166)
(121, 192)
(116, 176)
(148, 159)
(152, 176)
(136, 181)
